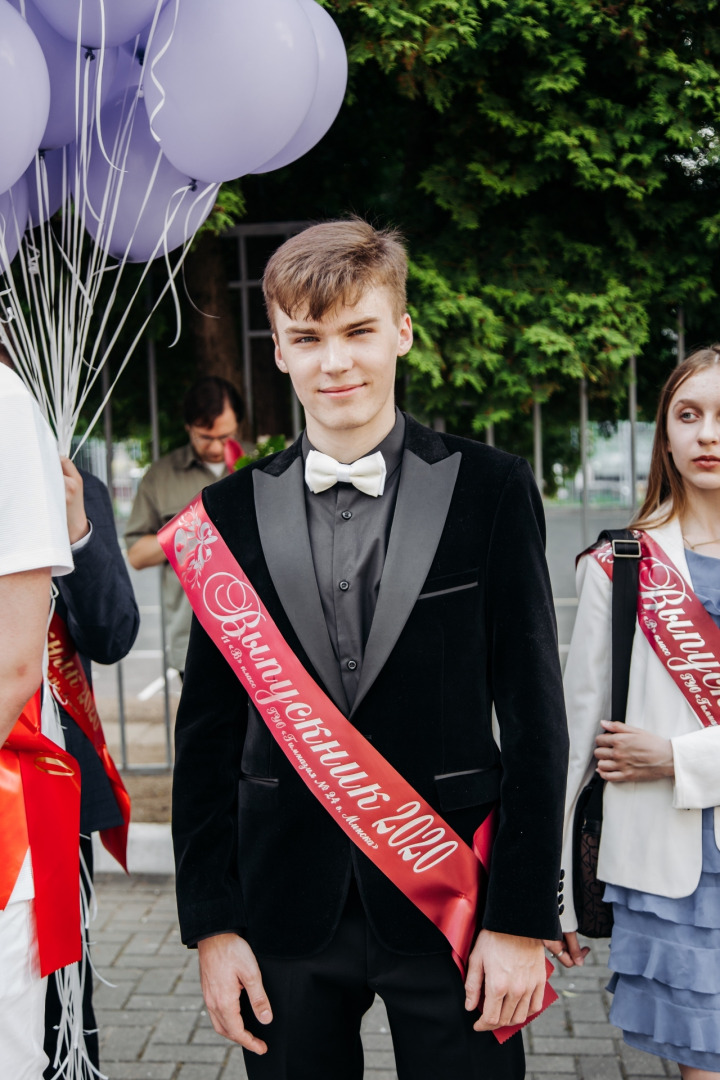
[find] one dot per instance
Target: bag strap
(626, 568)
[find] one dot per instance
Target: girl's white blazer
(651, 834)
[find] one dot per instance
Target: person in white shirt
(34, 545)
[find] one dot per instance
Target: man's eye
(360, 330)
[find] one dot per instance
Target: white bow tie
(367, 474)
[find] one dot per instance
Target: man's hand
(511, 971)
(146, 552)
(227, 966)
(629, 753)
(74, 503)
(568, 951)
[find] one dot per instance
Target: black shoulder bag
(594, 916)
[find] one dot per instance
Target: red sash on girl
(370, 801)
(72, 690)
(40, 796)
(680, 632)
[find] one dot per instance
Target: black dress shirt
(349, 533)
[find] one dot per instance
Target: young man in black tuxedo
(413, 588)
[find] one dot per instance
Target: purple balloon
(227, 85)
(137, 45)
(45, 185)
(123, 225)
(123, 19)
(13, 221)
(329, 94)
(24, 95)
(61, 57)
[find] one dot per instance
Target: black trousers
(52, 1001)
(318, 1003)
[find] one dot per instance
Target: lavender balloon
(45, 185)
(227, 85)
(329, 94)
(24, 95)
(13, 221)
(123, 19)
(61, 57)
(125, 224)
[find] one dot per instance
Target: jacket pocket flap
(468, 788)
(257, 792)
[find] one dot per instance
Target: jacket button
(344, 585)
(346, 515)
(560, 898)
(351, 665)
(562, 875)
(561, 909)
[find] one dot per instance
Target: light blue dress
(666, 953)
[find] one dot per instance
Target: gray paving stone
(130, 1070)
(174, 1028)
(212, 1055)
(123, 1043)
(556, 1065)
(637, 1063)
(159, 980)
(119, 1018)
(594, 1030)
(569, 1045)
(199, 1072)
(600, 1068)
(379, 1059)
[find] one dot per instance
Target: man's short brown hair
(335, 263)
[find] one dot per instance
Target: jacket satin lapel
(282, 524)
(422, 505)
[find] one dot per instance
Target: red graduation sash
(678, 628)
(40, 796)
(369, 800)
(72, 690)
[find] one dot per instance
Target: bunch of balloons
(128, 115)
(190, 92)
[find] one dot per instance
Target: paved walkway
(153, 1025)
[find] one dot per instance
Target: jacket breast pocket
(471, 787)
(258, 793)
(450, 583)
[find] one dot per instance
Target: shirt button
(344, 585)
(351, 665)
(346, 515)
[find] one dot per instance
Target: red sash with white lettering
(678, 628)
(370, 801)
(40, 797)
(72, 690)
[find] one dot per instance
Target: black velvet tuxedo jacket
(464, 622)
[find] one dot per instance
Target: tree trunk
(211, 316)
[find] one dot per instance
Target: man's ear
(405, 335)
(279, 362)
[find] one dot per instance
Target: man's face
(343, 367)
(209, 442)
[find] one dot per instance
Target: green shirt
(166, 488)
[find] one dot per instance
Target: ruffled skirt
(666, 957)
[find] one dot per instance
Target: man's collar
(391, 446)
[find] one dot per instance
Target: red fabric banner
(51, 797)
(678, 628)
(370, 801)
(72, 690)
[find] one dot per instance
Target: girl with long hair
(660, 844)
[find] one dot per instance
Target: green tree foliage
(554, 166)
